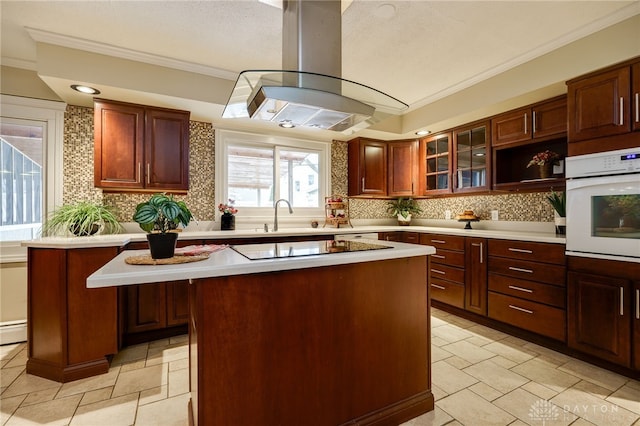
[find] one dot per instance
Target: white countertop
(228, 262)
(119, 240)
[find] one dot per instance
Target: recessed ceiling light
(287, 124)
(85, 89)
(423, 132)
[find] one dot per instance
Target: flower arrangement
(542, 158)
(228, 207)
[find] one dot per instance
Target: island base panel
(327, 345)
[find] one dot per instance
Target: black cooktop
(303, 248)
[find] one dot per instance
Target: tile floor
(480, 377)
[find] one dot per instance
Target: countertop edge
(121, 240)
(227, 262)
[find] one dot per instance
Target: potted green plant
(558, 201)
(403, 208)
(82, 218)
(159, 216)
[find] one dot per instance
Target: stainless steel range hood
(309, 91)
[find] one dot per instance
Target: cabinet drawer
(535, 317)
(449, 242)
(537, 252)
(447, 292)
(529, 290)
(410, 237)
(530, 271)
(448, 257)
(446, 272)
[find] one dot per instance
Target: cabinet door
(599, 105)
(146, 307)
(475, 298)
(403, 165)
(367, 167)
(166, 150)
(471, 148)
(635, 94)
(599, 321)
(177, 303)
(510, 127)
(118, 145)
(549, 118)
(636, 325)
(435, 164)
(390, 236)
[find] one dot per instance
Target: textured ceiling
(416, 51)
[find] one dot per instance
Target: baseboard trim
(13, 332)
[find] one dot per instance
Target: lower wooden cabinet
(604, 310)
(71, 329)
(177, 302)
(146, 307)
(527, 286)
(599, 315)
(475, 289)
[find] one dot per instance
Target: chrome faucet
(275, 217)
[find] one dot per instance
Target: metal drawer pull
(525, 123)
(637, 304)
(622, 301)
(621, 111)
(517, 308)
(438, 256)
(140, 172)
(439, 287)
(637, 107)
(515, 287)
(439, 272)
(528, 271)
(148, 173)
(438, 241)
(362, 184)
(517, 250)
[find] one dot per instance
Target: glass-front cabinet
(471, 160)
(435, 154)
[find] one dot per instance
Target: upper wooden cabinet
(140, 148)
(402, 168)
(605, 104)
(543, 120)
(379, 168)
(367, 167)
(471, 157)
(435, 164)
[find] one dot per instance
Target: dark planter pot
(75, 230)
(162, 246)
(227, 222)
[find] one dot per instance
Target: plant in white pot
(558, 201)
(82, 218)
(403, 208)
(160, 217)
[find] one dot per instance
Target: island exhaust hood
(309, 91)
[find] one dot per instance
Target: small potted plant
(545, 161)
(403, 208)
(81, 219)
(227, 220)
(558, 201)
(159, 216)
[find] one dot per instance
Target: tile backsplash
(78, 181)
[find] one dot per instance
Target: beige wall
(13, 292)
(25, 83)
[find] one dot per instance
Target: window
(31, 164)
(21, 162)
(256, 171)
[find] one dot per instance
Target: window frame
(258, 216)
(52, 114)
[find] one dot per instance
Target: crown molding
(42, 36)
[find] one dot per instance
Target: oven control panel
(604, 163)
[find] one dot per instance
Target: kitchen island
(335, 338)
